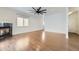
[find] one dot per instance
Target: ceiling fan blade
(38, 11)
(41, 13)
(39, 8)
(34, 8)
(43, 10)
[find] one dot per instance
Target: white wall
(77, 22)
(73, 22)
(53, 22)
(9, 15)
(73, 25)
(56, 22)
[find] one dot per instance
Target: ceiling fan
(38, 10)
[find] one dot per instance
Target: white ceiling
(50, 10)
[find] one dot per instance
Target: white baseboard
(59, 33)
(55, 31)
(27, 31)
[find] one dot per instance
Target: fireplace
(5, 30)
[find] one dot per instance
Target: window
(26, 22)
(19, 21)
(22, 21)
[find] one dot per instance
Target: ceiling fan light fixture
(39, 10)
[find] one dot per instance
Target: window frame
(23, 22)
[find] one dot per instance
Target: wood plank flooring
(35, 41)
(73, 42)
(40, 41)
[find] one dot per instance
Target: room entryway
(73, 28)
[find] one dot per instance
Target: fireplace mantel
(6, 30)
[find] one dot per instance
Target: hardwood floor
(73, 42)
(35, 41)
(40, 41)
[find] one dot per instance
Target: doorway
(73, 28)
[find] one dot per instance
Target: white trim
(67, 23)
(28, 31)
(55, 31)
